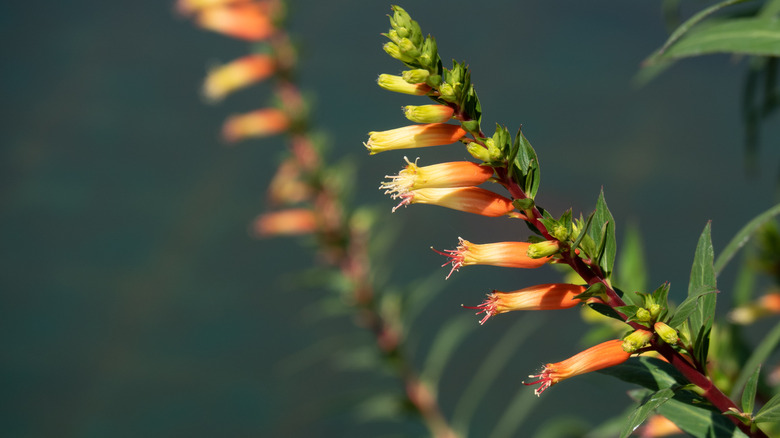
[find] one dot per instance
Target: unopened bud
(478, 151)
(543, 249)
(447, 92)
(559, 231)
(428, 113)
(415, 76)
(643, 315)
(668, 334)
(655, 310)
(636, 340)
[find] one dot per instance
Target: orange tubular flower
(294, 221)
(504, 254)
(604, 355)
(414, 136)
(541, 297)
(659, 426)
(443, 175)
(258, 123)
(186, 7)
(247, 21)
(468, 199)
(236, 75)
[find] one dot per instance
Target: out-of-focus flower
(428, 113)
(504, 254)
(659, 426)
(286, 186)
(294, 221)
(258, 123)
(442, 175)
(237, 74)
(248, 21)
(414, 136)
(469, 199)
(604, 355)
(540, 297)
(768, 304)
(187, 7)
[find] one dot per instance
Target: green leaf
(631, 274)
(742, 237)
(685, 27)
(526, 165)
(701, 283)
(629, 311)
(770, 9)
(770, 412)
(749, 394)
(694, 415)
(651, 373)
(686, 309)
(750, 36)
(602, 230)
(760, 354)
(646, 407)
(605, 310)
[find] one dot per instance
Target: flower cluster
(511, 165)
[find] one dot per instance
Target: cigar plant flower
(237, 74)
(469, 199)
(540, 297)
(604, 355)
(257, 123)
(442, 175)
(504, 254)
(414, 136)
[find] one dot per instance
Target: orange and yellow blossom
(258, 123)
(414, 136)
(237, 74)
(469, 199)
(541, 297)
(504, 254)
(186, 7)
(247, 21)
(294, 221)
(442, 175)
(604, 355)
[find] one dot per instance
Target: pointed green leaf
(749, 36)
(749, 394)
(703, 281)
(742, 237)
(694, 415)
(651, 373)
(526, 165)
(602, 231)
(770, 413)
(646, 407)
(686, 309)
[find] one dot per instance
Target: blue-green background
(134, 302)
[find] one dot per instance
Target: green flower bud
(636, 340)
(643, 315)
(668, 334)
(415, 76)
(393, 50)
(478, 151)
(560, 232)
(496, 155)
(543, 249)
(393, 36)
(433, 80)
(655, 310)
(447, 92)
(399, 85)
(408, 48)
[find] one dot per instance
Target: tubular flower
(604, 355)
(766, 305)
(294, 221)
(258, 123)
(247, 21)
(454, 174)
(659, 426)
(399, 85)
(236, 75)
(541, 297)
(428, 113)
(186, 7)
(504, 254)
(468, 199)
(414, 136)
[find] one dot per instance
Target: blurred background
(135, 303)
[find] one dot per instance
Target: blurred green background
(136, 304)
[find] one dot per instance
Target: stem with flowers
(587, 245)
(305, 197)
